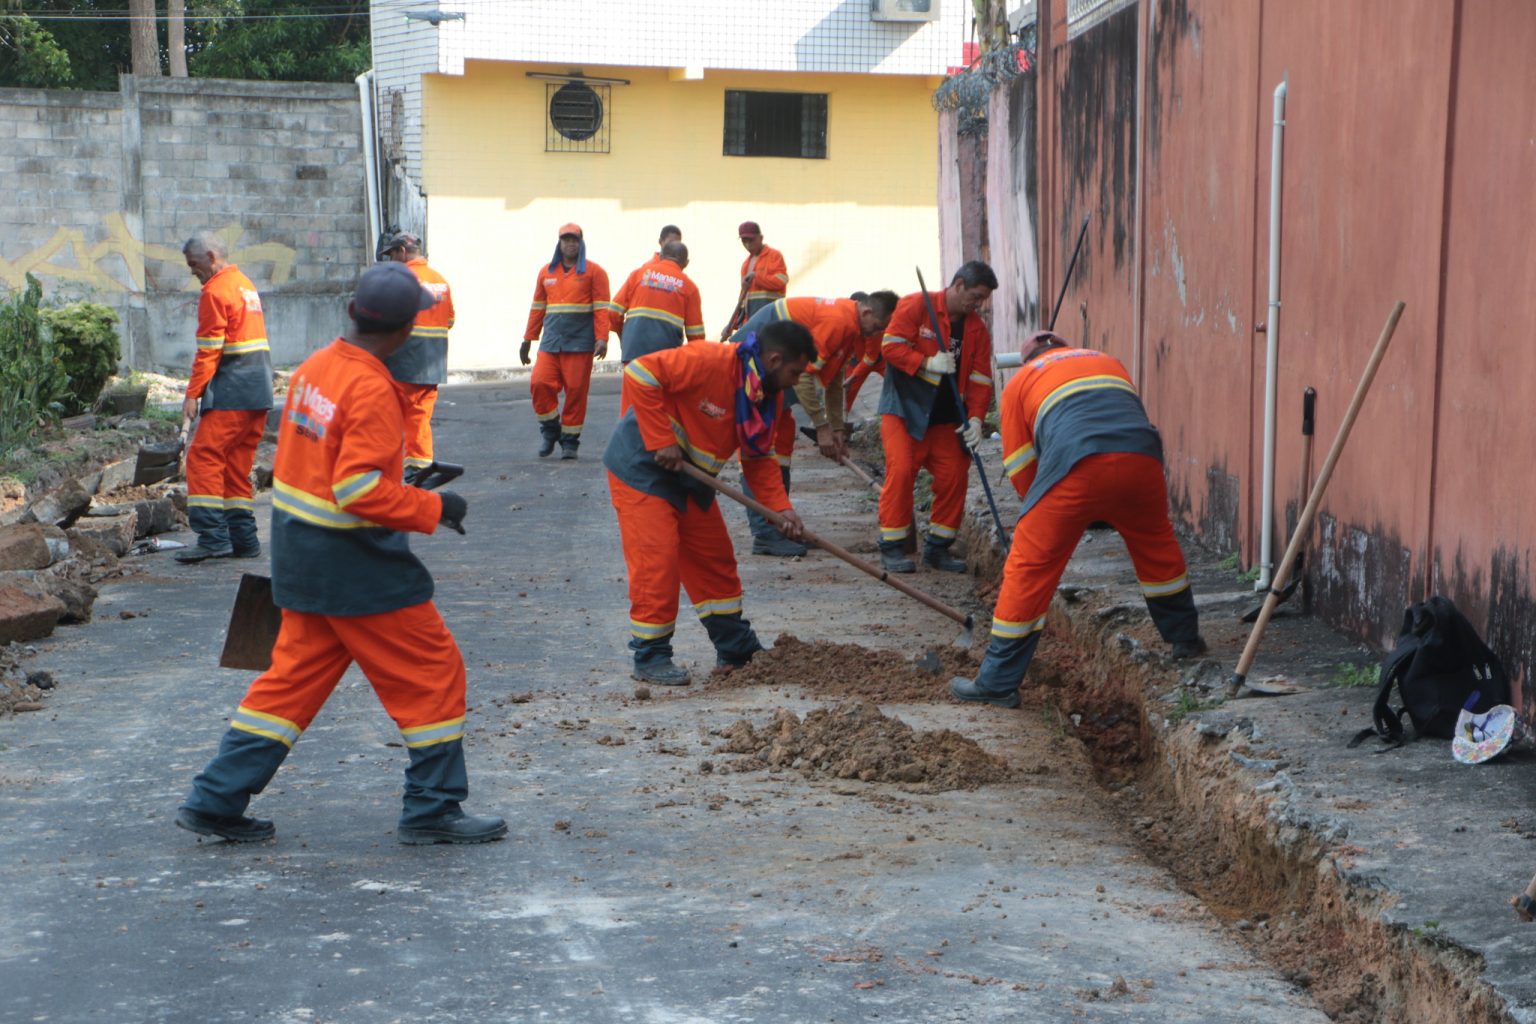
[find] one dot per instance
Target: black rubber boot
(936, 556)
(549, 436)
(734, 639)
(568, 445)
(454, 827)
(654, 664)
(893, 557)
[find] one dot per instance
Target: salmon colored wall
(1408, 163)
(859, 219)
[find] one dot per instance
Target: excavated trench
(1283, 886)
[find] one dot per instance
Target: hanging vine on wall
(967, 92)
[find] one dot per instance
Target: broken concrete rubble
(23, 546)
(61, 506)
(116, 533)
(26, 614)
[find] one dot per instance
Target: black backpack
(1438, 666)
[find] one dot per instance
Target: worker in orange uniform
(764, 277)
(658, 306)
(571, 308)
(838, 327)
(422, 364)
(699, 403)
(1079, 449)
(921, 425)
(858, 371)
(232, 384)
(349, 587)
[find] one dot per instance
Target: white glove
(942, 363)
(970, 434)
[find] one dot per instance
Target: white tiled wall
(753, 35)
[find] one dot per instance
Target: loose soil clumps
(823, 668)
(855, 741)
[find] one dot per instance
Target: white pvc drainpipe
(370, 163)
(1271, 329)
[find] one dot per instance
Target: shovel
(255, 619)
(161, 460)
(864, 478)
(968, 622)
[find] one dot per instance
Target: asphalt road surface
(636, 885)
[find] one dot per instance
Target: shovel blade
(253, 626)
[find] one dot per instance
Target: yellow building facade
(861, 217)
(811, 117)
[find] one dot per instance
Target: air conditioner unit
(904, 10)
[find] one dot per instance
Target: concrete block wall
(109, 185)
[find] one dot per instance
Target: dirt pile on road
(855, 741)
(823, 668)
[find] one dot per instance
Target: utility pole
(176, 36)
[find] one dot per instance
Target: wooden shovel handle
(688, 469)
(1304, 521)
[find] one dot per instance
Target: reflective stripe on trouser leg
(945, 458)
(576, 375)
(762, 529)
(901, 465)
(707, 567)
(242, 768)
(414, 665)
(1043, 542)
(435, 783)
(544, 386)
(649, 533)
(1140, 515)
(219, 466)
(420, 401)
(239, 519)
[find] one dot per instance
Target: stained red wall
(1410, 153)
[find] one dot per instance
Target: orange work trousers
(940, 453)
(1126, 491)
(555, 372)
(219, 461)
(420, 400)
(664, 548)
(408, 655)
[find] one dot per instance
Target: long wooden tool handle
(869, 481)
(1304, 522)
(777, 520)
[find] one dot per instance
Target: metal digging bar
(1067, 278)
(1003, 536)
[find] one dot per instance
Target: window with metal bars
(578, 118)
(792, 124)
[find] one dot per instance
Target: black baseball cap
(389, 296)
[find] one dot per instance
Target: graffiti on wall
(119, 262)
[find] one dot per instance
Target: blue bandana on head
(581, 258)
(756, 409)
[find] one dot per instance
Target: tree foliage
(29, 56)
(276, 40)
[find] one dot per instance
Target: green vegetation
(33, 381)
(160, 414)
(85, 338)
(1189, 703)
(277, 40)
(1350, 676)
(29, 56)
(1231, 563)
